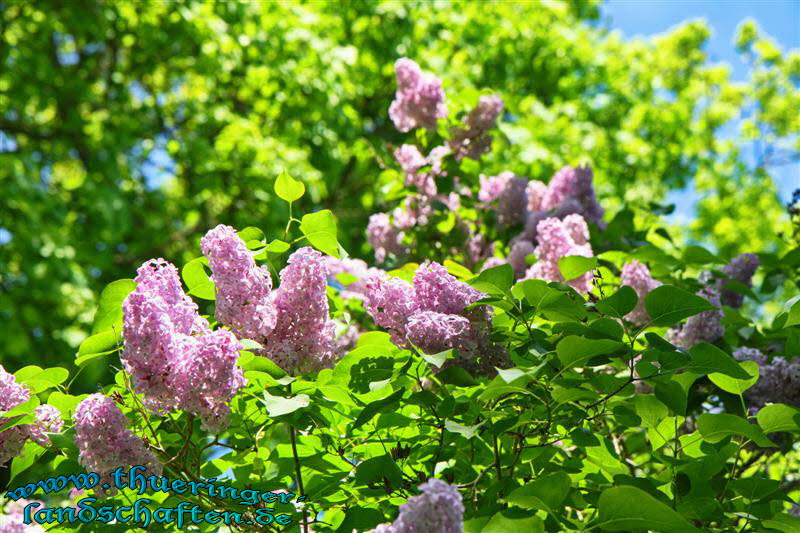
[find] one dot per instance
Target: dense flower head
(535, 192)
(778, 379)
(438, 509)
(435, 332)
(303, 336)
(411, 160)
(419, 99)
(435, 289)
(474, 138)
(573, 187)
(206, 382)
(48, 420)
(12, 517)
(390, 302)
(740, 269)
(557, 239)
(637, 276)
(384, 237)
(507, 194)
(242, 288)
(12, 394)
(175, 360)
(702, 327)
(104, 441)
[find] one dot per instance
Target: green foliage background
(96, 96)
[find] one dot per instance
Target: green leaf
(103, 343)
(708, 359)
(251, 233)
(573, 350)
(289, 189)
(507, 521)
(249, 344)
(545, 493)
(778, 417)
(250, 361)
(65, 403)
(783, 522)
(668, 305)
(279, 405)
(698, 255)
(554, 304)
(197, 279)
(620, 303)
(38, 379)
(793, 317)
(320, 230)
(109, 309)
(455, 375)
(375, 469)
(575, 266)
(25, 459)
(650, 410)
(467, 431)
(628, 508)
(715, 427)
(376, 407)
(494, 281)
(733, 385)
(277, 246)
(438, 359)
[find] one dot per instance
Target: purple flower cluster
(506, 194)
(557, 239)
(419, 100)
(411, 160)
(778, 381)
(438, 509)
(431, 314)
(242, 288)
(12, 440)
(12, 518)
(303, 336)
(637, 276)
(175, 360)
(474, 139)
(104, 441)
(356, 269)
(384, 237)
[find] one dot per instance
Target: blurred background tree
(127, 129)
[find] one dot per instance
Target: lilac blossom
(438, 509)
(740, 269)
(778, 381)
(637, 276)
(507, 194)
(573, 187)
(242, 288)
(517, 257)
(12, 394)
(557, 239)
(355, 269)
(419, 99)
(48, 420)
(474, 139)
(12, 518)
(384, 237)
(303, 336)
(104, 441)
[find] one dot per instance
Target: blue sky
(780, 19)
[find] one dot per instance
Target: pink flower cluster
(12, 518)
(291, 322)
(12, 440)
(637, 276)
(104, 441)
(175, 359)
(431, 314)
(419, 100)
(356, 269)
(439, 509)
(242, 288)
(506, 194)
(557, 239)
(474, 139)
(741, 269)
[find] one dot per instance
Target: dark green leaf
(628, 508)
(109, 309)
(668, 305)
